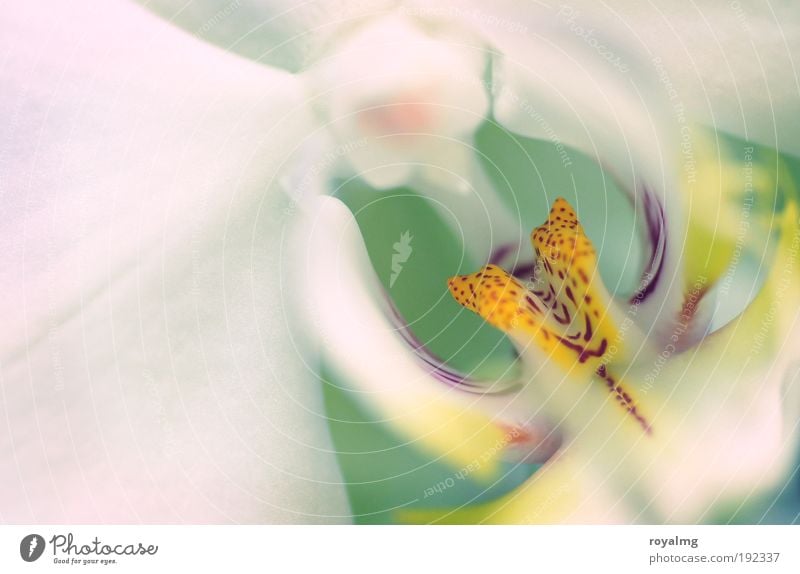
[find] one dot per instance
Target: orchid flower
(184, 259)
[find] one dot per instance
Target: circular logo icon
(31, 547)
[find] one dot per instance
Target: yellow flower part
(566, 313)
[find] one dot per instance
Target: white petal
(282, 33)
(732, 65)
(729, 65)
(147, 371)
(738, 394)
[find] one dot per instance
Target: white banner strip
(407, 550)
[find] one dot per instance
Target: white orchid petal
(282, 33)
(147, 373)
(738, 392)
(729, 65)
(347, 309)
(732, 65)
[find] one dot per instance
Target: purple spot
(501, 253)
